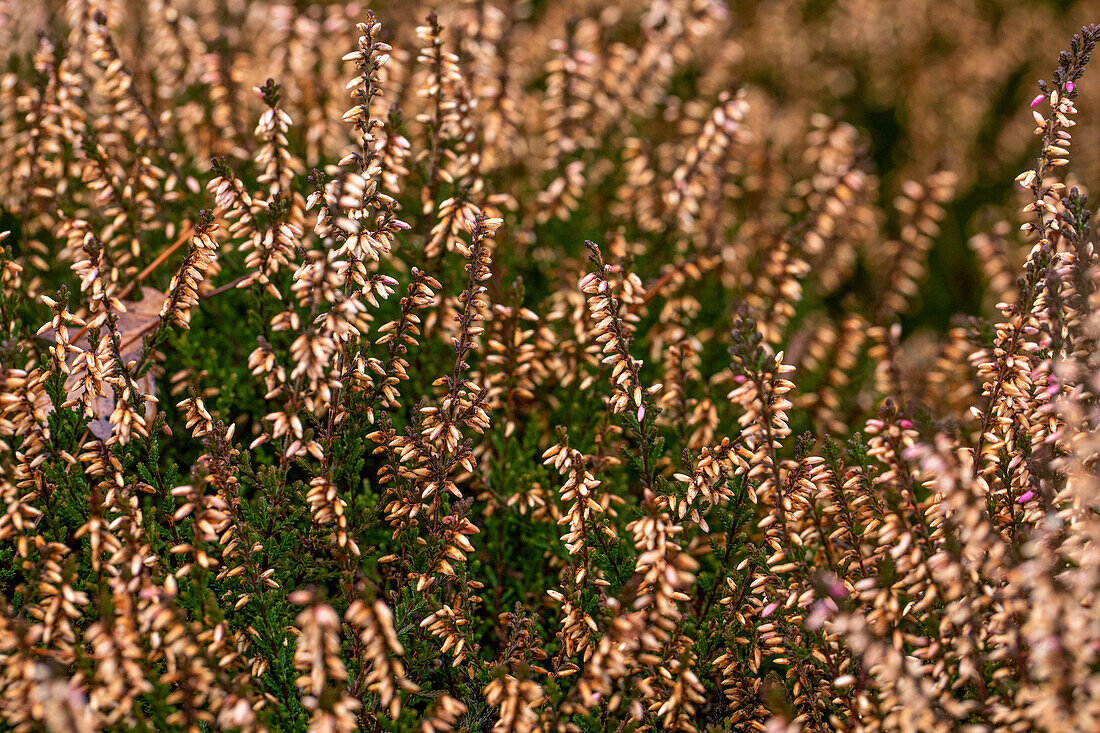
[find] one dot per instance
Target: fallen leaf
(139, 318)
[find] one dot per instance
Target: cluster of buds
(581, 519)
(369, 58)
(1054, 129)
(722, 130)
(200, 261)
(374, 622)
(761, 392)
(613, 332)
(324, 676)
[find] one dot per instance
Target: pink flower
(1069, 86)
(769, 609)
(1025, 497)
(905, 424)
(836, 588)
(1038, 98)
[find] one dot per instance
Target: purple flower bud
(1038, 98)
(1025, 497)
(1069, 86)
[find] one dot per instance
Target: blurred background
(928, 84)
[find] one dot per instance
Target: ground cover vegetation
(558, 366)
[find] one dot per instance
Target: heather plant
(557, 366)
